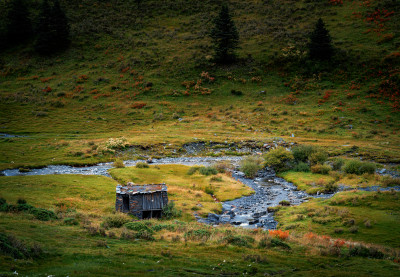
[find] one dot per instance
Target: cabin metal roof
(131, 188)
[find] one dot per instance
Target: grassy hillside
(132, 71)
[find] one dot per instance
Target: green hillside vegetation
(134, 70)
(83, 82)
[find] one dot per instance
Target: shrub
(389, 181)
(115, 221)
(301, 167)
(209, 190)
(321, 169)
(119, 163)
(142, 165)
(251, 165)
(216, 179)
(222, 166)
(318, 157)
(279, 159)
(43, 214)
(301, 153)
(368, 252)
(138, 226)
(278, 243)
(170, 211)
(13, 247)
(359, 167)
(70, 221)
(338, 163)
(284, 203)
(239, 240)
(330, 188)
(353, 229)
(236, 92)
(192, 170)
(144, 234)
(208, 170)
(200, 234)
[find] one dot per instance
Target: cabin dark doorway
(151, 214)
(125, 202)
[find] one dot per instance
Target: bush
(239, 240)
(331, 188)
(43, 214)
(279, 159)
(115, 220)
(368, 252)
(209, 190)
(142, 165)
(301, 153)
(192, 170)
(389, 181)
(251, 165)
(13, 247)
(359, 167)
(200, 234)
(338, 163)
(321, 169)
(318, 157)
(222, 166)
(208, 170)
(138, 226)
(170, 211)
(118, 163)
(144, 234)
(301, 167)
(70, 221)
(278, 243)
(236, 92)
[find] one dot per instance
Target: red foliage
(47, 89)
(336, 2)
(291, 99)
(138, 105)
(279, 233)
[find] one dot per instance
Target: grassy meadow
(139, 81)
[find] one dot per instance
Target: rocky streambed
(248, 211)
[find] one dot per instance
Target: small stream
(248, 211)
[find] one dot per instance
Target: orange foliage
(279, 233)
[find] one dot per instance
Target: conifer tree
(61, 26)
(19, 26)
(320, 46)
(52, 30)
(225, 36)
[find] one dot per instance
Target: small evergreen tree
(61, 26)
(320, 46)
(18, 25)
(225, 36)
(52, 30)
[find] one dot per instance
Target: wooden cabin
(141, 201)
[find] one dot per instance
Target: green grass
(381, 210)
(70, 250)
(187, 190)
(121, 48)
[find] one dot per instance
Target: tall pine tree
(52, 30)
(320, 46)
(225, 37)
(19, 26)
